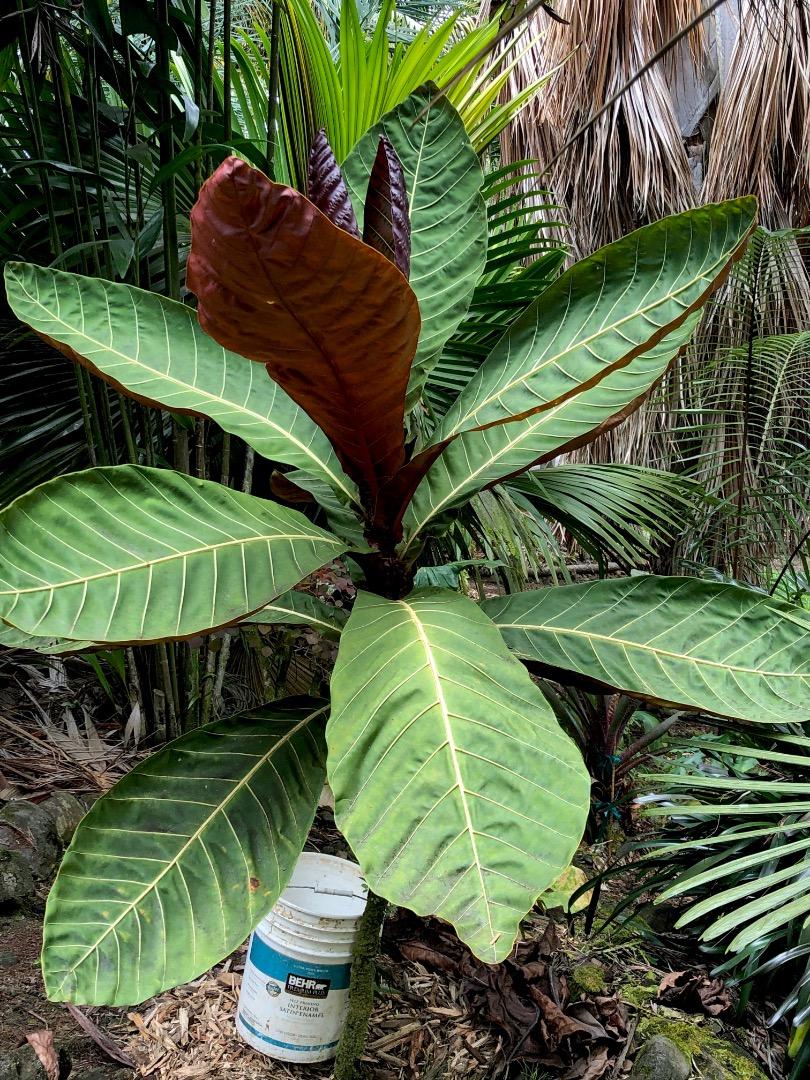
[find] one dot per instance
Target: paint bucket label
(291, 999)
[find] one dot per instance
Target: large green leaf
(172, 869)
(698, 644)
(448, 217)
(133, 554)
(455, 787)
(601, 313)
(155, 349)
(479, 459)
(12, 638)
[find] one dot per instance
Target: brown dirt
(25, 1009)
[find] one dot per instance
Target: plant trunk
(361, 989)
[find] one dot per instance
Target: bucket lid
(324, 886)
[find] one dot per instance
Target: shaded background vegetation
(111, 118)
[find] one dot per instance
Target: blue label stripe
(277, 966)
(285, 1045)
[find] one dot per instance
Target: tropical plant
(454, 785)
(615, 735)
(109, 116)
(740, 862)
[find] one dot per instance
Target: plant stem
(361, 989)
(207, 688)
(643, 741)
(227, 113)
(272, 89)
(172, 726)
(746, 409)
(225, 649)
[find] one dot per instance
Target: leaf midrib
(451, 745)
(584, 342)
(205, 394)
(629, 643)
(143, 565)
(195, 836)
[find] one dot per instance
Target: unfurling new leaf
(326, 187)
(386, 222)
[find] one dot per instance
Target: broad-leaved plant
(318, 320)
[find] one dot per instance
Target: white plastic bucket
(295, 989)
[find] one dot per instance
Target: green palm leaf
(455, 787)
(134, 554)
(172, 869)
(747, 872)
(155, 349)
(702, 645)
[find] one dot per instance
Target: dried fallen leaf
(42, 1042)
(696, 991)
(100, 1038)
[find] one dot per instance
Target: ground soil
(24, 1007)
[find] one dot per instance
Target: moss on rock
(716, 1058)
(587, 978)
(640, 993)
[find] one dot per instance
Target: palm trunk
(361, 989)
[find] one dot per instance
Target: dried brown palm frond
(761, 134)
(629, 166)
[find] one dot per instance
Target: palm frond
(344, 82)
(620, 512)
(630, 166)
(759, 140)
(736, 847)
(734, 415)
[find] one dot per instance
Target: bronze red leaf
(386, 222)
(326, 187)
(335, 323)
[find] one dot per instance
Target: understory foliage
(732, 852)
(734, 417)
(724, 112)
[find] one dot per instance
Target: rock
(17, 885)
(66, 811)
(27, 829)
(715, 1058)
(660, 1059)
(23, 1064)
(661, 918)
